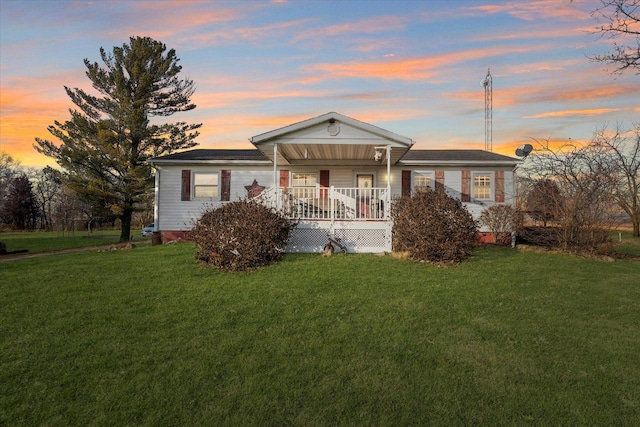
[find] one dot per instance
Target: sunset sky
(411, 67)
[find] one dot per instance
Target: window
(304, 179)
(205, 185)
(304, 184)
(422, 181)
(482, 186)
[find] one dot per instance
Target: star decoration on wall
(254, 189)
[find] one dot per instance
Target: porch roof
(331, 139)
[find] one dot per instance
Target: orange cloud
(506, 96)
(570, 113)
(405, 69)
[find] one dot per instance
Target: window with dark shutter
(186, 186)
(499, 186)
(284, 178)
(465, 189)
(406, 183)
(439, 180)
(324, 183)
(225, 185)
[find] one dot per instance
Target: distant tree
(620, 22)
(105, 144)
(544, 201)
(20, 209)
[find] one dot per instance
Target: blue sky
(412, 67)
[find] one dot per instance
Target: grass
(149, 337)
(625, 243)
(41, 241)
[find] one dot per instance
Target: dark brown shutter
(439, 180)
(465, 190)
(284, 178)
(499, 186)
(186, 185)
(324, 183)
(406, 183)
(225, 185)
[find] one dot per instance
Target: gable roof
(328, 117)
(330, 139)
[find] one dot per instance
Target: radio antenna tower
(487, 83)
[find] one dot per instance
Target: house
(336, 175)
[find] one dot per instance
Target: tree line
(40, 199)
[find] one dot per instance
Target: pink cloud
(372, 25)
(405, 69)
(535, 9)
(572, 113)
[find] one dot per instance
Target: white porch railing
(331, 203)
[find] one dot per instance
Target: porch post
(389, 170)
(275, 174)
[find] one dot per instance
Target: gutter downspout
(156, 203)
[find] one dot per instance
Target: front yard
(147, 336)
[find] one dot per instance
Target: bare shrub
(502, 221)
(241, 235)
(433, 227)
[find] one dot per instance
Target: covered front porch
(314, 161)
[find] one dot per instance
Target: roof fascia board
(211, 162)
(457, 162)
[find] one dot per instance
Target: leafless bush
(582, 203)
(433, 227)
(241, 235)
(502, 221)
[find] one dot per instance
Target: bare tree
(617, 155)
(543, 201)
(619, 21)
(47, 186)
(585, 204)
(9, 169)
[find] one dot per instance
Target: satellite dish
(524, 150)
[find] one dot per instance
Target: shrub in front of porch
(503, 221)
(434, 227)
(241, 235)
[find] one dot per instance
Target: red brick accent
(170, 235)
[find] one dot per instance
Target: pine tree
(106, 143)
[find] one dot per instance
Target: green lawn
(148, 337)
(39, 241)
